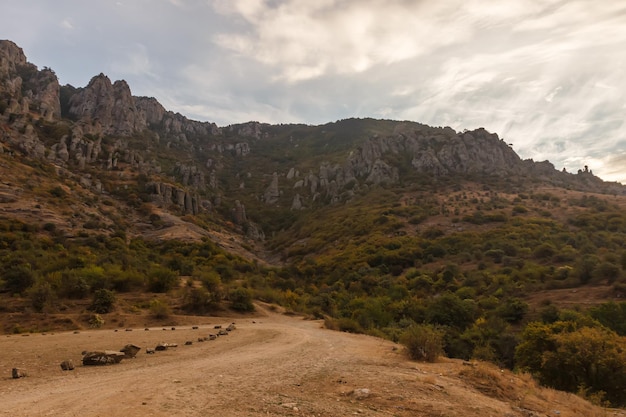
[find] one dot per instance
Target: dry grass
(524, 393)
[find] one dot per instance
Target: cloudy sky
(549, 76)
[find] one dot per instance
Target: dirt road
(270, 365)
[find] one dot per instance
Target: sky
(548, 76)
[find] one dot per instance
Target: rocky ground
(271, 364)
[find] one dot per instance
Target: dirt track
(270, 365)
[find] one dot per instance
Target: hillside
(112, 206)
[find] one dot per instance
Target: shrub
(570, 355)
(42, 296)
(161, 279)
(423, 342)
(103, 301)
(95, 321)
(200, 301)
(241, 299)
(18, 278)
(159, 309)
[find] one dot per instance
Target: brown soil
(272, 364)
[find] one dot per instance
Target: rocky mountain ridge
(197, 167)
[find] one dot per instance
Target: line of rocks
(110, 357)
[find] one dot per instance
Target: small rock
(361, 393)
(188, 342)
(67, 365)
(194, 328)
(18, 373)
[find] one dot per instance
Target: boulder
(130, 350)
(165, 346)
(103, 357)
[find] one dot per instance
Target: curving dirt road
(270, 365)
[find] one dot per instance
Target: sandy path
(270, 365)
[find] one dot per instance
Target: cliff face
(105, 108)
(24, 88)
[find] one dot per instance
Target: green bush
(103, 301)
(42, 296)
(240, 299)
(571, 355)
(200, 301)
(423, 342)
(161, 279)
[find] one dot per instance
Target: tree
(572, 356)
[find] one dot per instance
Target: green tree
(575, 355)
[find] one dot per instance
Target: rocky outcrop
(25, 89)
(272, 193)
(239, 213)
(164, 195)
(105, 108)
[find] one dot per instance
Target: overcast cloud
(546, 75)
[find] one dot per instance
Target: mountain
(102, 128)
(111, 204)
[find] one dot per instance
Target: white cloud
(132, 60)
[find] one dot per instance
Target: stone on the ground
(103, 357)
(130, 350)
